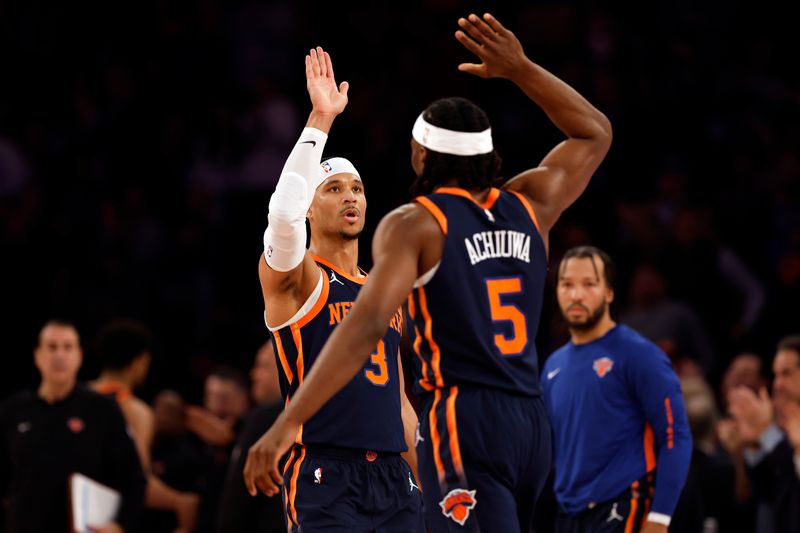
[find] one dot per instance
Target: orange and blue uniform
(345, 470)
(622, 440)
(484, 444)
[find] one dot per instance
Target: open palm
(326, 96)
(498, 48)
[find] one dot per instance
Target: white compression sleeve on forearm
(285, 237)
(305, 159)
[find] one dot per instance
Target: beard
(592, 318)
(350, 236)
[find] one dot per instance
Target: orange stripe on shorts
(435, 439)
(452, 430)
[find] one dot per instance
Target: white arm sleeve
(285, 237)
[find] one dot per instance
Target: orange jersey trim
(423, 381)
(298, 342)
(528, 207)
(287, 369)
(670, 429)
(434, 210)
(491, 198)
(360, 281)
(649, 448)
(323, 299)
(436, 354)
(121, 392)
(452, 430)
(436, 441)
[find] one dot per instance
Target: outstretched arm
(563, 174)
(399, 242)
(288, 275)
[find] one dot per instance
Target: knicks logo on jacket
(602, 366)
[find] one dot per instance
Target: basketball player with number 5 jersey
(473, 257)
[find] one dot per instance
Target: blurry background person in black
(176, 458)
(125, 351)
(60, 429)
(238, 511)
(771, 428)
(215, 425)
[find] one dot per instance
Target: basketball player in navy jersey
(474, 258)
(345, 471)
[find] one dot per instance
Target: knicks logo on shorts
(603, 366)
(457, 504)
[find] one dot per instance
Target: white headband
(450, 141)
(336, 165)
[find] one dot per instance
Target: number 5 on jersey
(505, 312)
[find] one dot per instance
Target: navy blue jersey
(617, 412)
(475, 321)
(365, 414)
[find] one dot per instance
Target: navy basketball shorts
(483, 457)
(340, 489)
(626, 513)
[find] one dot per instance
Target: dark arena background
(140, 141)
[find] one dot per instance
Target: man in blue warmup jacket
(622, 442)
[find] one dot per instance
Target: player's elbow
(289, 204)
(605, 126)
(603, 132)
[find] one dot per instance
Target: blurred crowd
(140, 141)
(744, 474)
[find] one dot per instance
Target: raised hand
(208, 427)
(753, 413)
(326, 97)
(729, 437)
(498, 49)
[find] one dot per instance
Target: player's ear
(423, 155)
(609, 295)
(418, 156)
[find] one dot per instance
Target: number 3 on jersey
(515, 343)
(381, 377)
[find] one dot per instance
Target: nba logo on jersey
(603, 366)
(318, 476)
(457, 504)
(326, 166)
